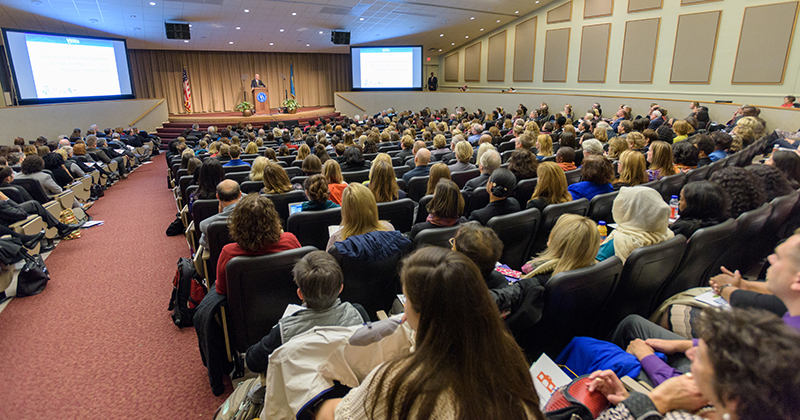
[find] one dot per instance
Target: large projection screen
(51, 68)
(396, 67)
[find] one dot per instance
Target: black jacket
(10, 212)
(497, 208)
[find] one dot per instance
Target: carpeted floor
(98, 343)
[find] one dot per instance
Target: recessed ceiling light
(466, 36)
(537, 1)
(152, 3)
(294, 14)
(441, 34)
(472, 18)
(440, 49)
(517, 12)
(360, 18)
(481, 29)
(271, 43)
(93, 20)
(231, 42)
(281, 30)
(453, 43)
(498, 20)
(308, 45)
(238, 27)
(36, 2)
(247, 10)
(320, 32)
(186, 41)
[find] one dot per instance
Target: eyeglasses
(452, 242)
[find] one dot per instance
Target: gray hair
(592, 146)
(490, 160)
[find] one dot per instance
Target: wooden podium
(261, 100)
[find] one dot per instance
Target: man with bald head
(257, 82)
(418, 145)
(421, 159)
(228, 194)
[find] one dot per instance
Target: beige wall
(719, 88)
(374, 102)
(50, 121)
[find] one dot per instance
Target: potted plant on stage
(290, 105)
(246, 108)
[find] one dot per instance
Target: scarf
(442, 221)
(642, 217)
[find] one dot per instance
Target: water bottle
(674, 204)
(601, 226)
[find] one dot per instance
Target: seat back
(524, 190)
(714, 167)
(373, 284)
(517, 231)
(218, 236)
(15, 195)
(435, 237)
(600, 207)
(400, 213)
(506, 146)
(575, 302)
(644, 273)
(461, 177)
(299, 179)
(33, 188)
(356, 176)
(505, 156)
(704, 250)
(311, 227)
(399, 171)
(292, 172)
(672, 185)
(550, 216)
(183, 185)
(476, 200)
(417, 187)
(574, 176)
(422, 209)
(654, 184)
(780, 221)
(259, 289)
(751, 241)
(248, 187)
(281, 202)
(236, 168)
(697, 174)
(239, 177)
(203, 209)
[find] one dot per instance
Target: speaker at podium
(261, 100)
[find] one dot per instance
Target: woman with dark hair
(523, 164)
(483, 247)
(256, 229)
(775, 182)
(311, 165)
(569, 140)
(500, 187)
(597, 173)
(788, 163)
(702, 204)
(353, 160)
(444, 209)
(210, 174)
(321, 153)
(685, 156)
(316, 188)
(438, 171)
(745, 191)
(55, 164)
(443, 378)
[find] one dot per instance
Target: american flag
(187, 93)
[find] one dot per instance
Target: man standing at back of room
(433, 83)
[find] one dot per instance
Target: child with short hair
(319, 281)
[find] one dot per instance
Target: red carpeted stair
(98, 343)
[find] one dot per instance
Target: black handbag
(33, 277)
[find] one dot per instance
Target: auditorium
(308, 209)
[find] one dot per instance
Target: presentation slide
(395, 68)
(51, 68)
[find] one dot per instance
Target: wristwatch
(721, 288)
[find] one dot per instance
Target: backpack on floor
(246, 401)
(188, 290)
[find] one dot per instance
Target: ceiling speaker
(340, 37)
(177, 30)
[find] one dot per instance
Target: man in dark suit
(490, 160)
(421, 159)
(257, 82)
(433, 83)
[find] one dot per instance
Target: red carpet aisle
(98, 343)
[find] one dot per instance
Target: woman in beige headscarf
(642, 217)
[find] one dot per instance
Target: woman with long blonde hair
(632, 170)
(660, 157)
(359, 214)
(336, 184)
(573, 243)
(383, 184)
(551, 188)
(545, 145)
(257, 169)
(616, 145)
(303, 152)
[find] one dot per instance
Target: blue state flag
(291, 79)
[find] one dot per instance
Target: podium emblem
(261, 97)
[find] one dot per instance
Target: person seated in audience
(788, 163)
(359, 215)
(255, 228)
(597, 173)
(12, 212)
(321, 153)
(54, 162)
(353, 160)
(91, 147)
(702, 204)
(319, 281)
(302, 152)
(624, 128)
(228, 194)
(617, 145)
(500, 187)
(722, 142)
(774, 181)
(788, 101)
(209, 176)
(270, 154)
(660, 157)
(441, 151)
(336, 183)
(682, 129)
(592, 147)
(251, 148)
(437, 171)
(524, 142)
(33, 168)
(316, 188)
(705, 146)
(655, 119)
(463, 153)
(744, 190)
(544, 144)
(483, 247)
(685, 156)
(636, 141)
(224, 154)
(632, 170)
(444, 210)
(489, 378)
(523, 164)
(276, 181)
(311, 165)
(234, 152)
(565, 158)
(283, 150)
(642, 219)
(488, 163)
(745, 365)
(421, 167)
(257, 169)
(383, 183)
(573, 243)
(551, 188)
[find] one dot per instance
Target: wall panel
(472, 63)
(594, 53)
(451, 68)
(642, 5)
(695, 45)
(561, 13)
(639, 50)
(496, 58)
(556, 55)
(597, 8)
(764, 43)
(524, 50)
